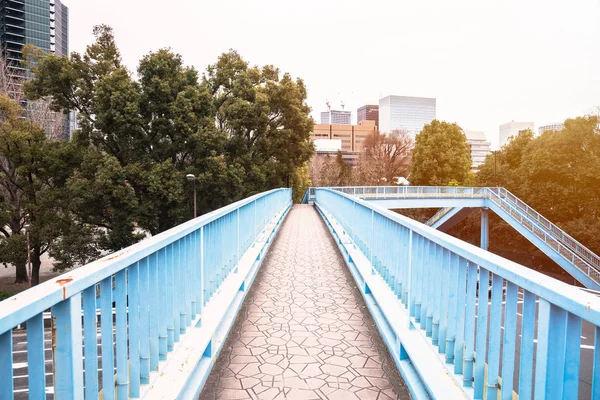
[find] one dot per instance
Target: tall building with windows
(368, 113)
(511, 129)
(44, 24)
(480, 148)
(336, 117)
(556, 127)
(405, 113)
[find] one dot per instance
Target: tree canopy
(239, 129)
(441, 154)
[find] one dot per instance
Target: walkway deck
(304, 331)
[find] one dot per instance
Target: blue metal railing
(586, 261)
(157, 289)
(439, 281)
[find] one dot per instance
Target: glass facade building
(42, 23)
(405, 113)
(336, 117)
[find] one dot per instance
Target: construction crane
(328, 105)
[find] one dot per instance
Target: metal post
(29, 255)
(484, 229)
(195, 214)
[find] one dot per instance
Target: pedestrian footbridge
(338, 299)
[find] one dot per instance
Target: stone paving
(304, 331)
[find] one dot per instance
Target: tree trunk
(36, 263)
(21, 272)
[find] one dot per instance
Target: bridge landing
(304, 331)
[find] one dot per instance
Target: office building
(480, 148)
(556, 127)
(368, 113)
(511, 129)
(336, 117)
(44, 24)
(409, 114)
(351, 136)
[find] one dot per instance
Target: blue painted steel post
(67, 349)
(6, 365)
(35, 357)
(485, 239)
(133, 288)
(121, 334)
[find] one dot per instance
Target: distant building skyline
(336, 117)
(352, 136)
(480, 148)
(557, 126)
(512, 128)
(405, 113)
(369, 112)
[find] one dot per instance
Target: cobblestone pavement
(304, 331)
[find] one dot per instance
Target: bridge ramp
(304, 331)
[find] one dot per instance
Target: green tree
(139, 138)
(34, 172)
(502, 168)
(385, 157)
(239, 129)
(441, 154)
(265, 119)
(344, 177)
(300, 182)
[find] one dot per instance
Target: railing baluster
(452, 311)
(550, 356)
(35, 357)
(67, 350)
(90, 330)
(526, 353)
(133, 288)
(572, 357)
(162, 304)
(595, 368)
(482, 325)
(442, 305)
(6, 365)
(144, 332)
(461, 304)
(121, 334)
(106, 333)
(153, 314)
(495, 338)
(170, 299)
(509, 340)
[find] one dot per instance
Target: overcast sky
(486, 62)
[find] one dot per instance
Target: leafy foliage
(239, 129)
(441, 154)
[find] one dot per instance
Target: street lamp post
(192, 178)
(26, 226)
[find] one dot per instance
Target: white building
(512, 129)
(480, 148)
(556, 127)
(405, 113)
(336, 117)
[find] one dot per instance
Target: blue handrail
(156, 288)
(586, 261)
(439, 280)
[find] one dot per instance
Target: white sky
(486, 62)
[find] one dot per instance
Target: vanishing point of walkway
(304, 331)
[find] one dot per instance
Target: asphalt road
(21, 391)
